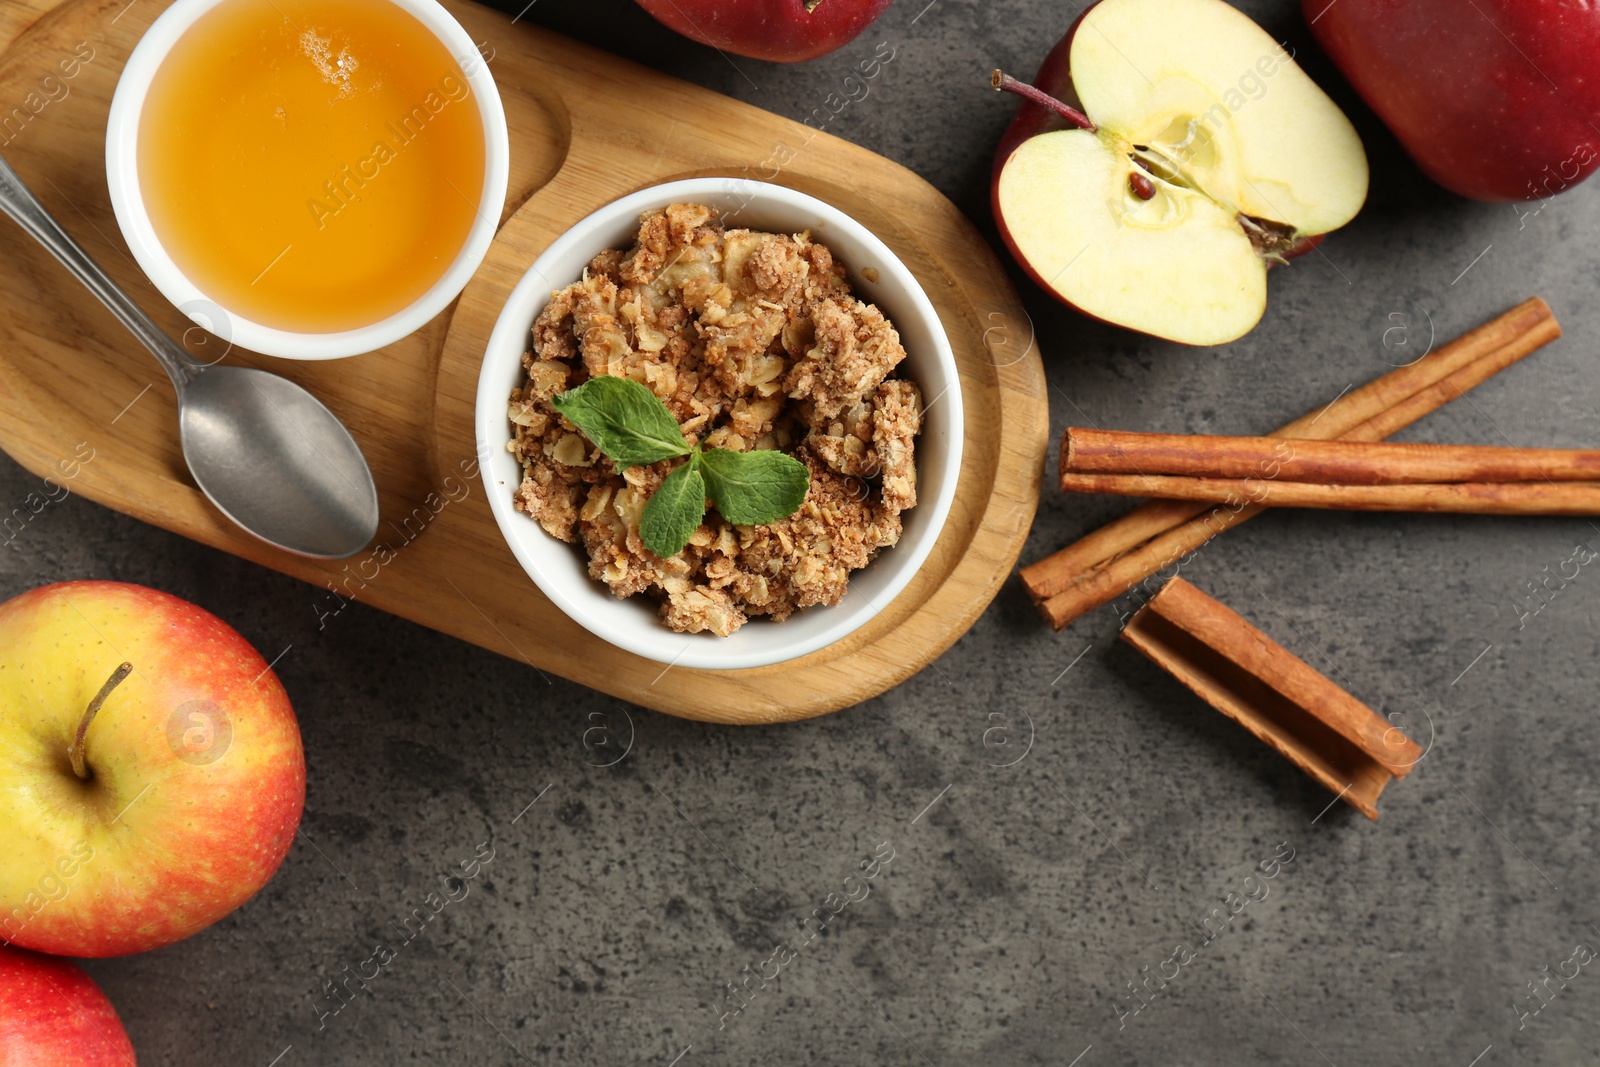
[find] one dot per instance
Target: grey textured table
(617, 918)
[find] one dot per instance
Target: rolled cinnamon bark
(1117, 452)
(1274, 694)
(1106, 563)
(1461, 498)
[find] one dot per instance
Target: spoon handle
(19, 202)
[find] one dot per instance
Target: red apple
(784, 31)
(137, 805)
(53, 1015)
(1496, 100)
(1168, 153)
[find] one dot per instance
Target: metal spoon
(266, 452)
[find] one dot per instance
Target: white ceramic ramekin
(122, 175)
(875, 275)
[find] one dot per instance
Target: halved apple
(1171, 152)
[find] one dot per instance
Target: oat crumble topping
(752, 340)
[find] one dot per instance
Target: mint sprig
(751, 488)
(631, 425)
(624, 420)
(673, 512)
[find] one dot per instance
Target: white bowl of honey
(310, 179)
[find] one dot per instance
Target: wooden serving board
(586, 128)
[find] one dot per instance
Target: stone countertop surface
(1058, 816)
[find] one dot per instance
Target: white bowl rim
(127, 202)
(702, 651)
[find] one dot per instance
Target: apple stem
(1271, 239)
(1005, 83)
(75, 750)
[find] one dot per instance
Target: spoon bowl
(267, 453)
(278, 463)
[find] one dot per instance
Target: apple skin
(1031, 119)
(1464, 87)
(175, 827)
(782, 31)
(53, 1015)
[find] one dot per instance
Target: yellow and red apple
(1168, 152)
(190, 780)
(53, 1015)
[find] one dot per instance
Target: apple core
(1196, 154)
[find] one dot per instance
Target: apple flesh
(1204, 155)
(53, 1015)
(784, 31)
(194, 775)
(1495, 100)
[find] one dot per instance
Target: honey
(311, 165)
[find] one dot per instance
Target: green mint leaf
(751, 488)
(624, 420)
(673, 512)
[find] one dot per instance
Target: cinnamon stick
(1273, 693)
(1107, 562)
(1461, 498)
(1277, 459)
(1145, 562)
(1376, 410)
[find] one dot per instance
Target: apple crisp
(753, 341)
